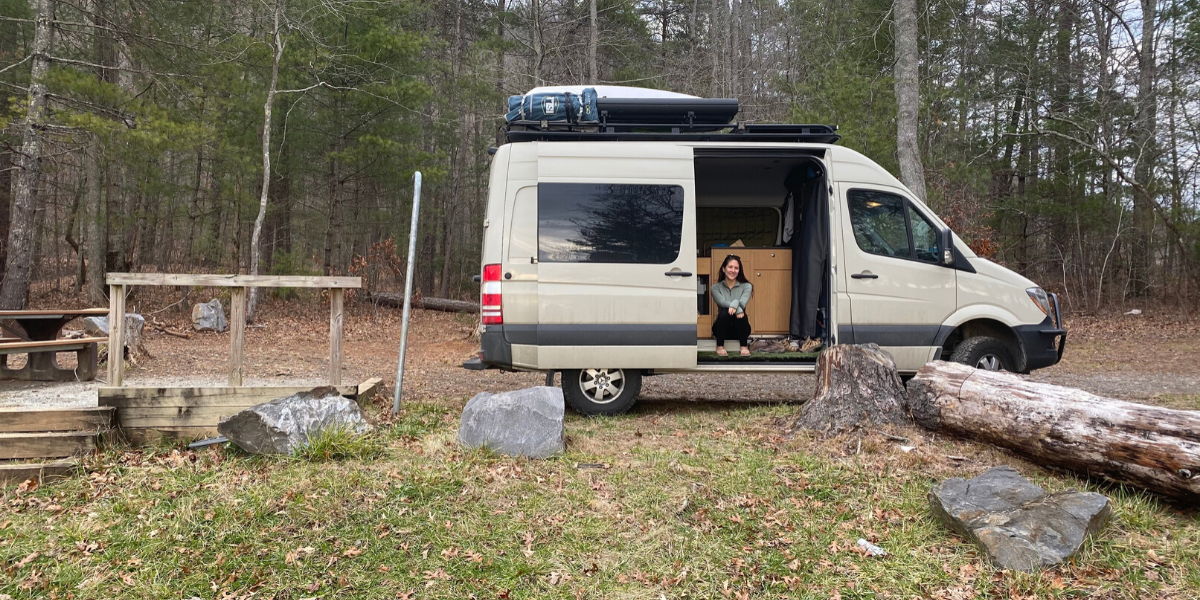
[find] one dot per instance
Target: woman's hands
(741, 315)
(732, 310)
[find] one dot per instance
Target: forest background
(1058, 137)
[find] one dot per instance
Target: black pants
(728, 326)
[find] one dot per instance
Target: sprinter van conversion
(601, 239)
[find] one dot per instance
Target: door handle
(865, 276)
(677, 274)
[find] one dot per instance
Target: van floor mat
(758, 357)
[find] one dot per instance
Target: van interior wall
(744, 198)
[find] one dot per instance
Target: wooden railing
(117, 282)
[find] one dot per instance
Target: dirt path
(1142, 360)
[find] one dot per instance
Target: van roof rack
(530, 131)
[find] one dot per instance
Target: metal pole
(412, 253)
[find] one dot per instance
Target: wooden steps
(55, 433)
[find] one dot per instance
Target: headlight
(1039, 297)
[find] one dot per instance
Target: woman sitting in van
(732, 294)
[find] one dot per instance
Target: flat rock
(1016, 523)
(284, 425)
(209, 316)
(526, 422)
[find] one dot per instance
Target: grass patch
(339, 443)
(697, 503)
(1179, 401)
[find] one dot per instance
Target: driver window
(925, 239)
(879, 223)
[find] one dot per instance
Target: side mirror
(946, 246)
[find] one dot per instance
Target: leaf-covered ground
(694, 494)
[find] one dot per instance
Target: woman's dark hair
(741, 276)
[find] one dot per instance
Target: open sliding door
(616, 252)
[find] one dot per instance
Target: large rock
(857, 385)
(526, 422)
(1016, 522)
(282, 426)
(209, 316)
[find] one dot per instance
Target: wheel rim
(602, 386)
(988, 362)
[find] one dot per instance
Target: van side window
(879, 223)
(609, 223)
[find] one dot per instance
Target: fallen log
(1150, 447)
(427, 303)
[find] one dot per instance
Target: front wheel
(987, 353)
(595, 392)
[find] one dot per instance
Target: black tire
(984, 352)
(618, 395)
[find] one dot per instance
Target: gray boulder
(282, 426)
(209, 316)
(1016, 523)
(526, 422)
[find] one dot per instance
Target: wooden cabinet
(769, 270)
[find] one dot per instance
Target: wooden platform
(55, 433)
(148, 414)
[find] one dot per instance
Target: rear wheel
(987, 353)
(594, 392)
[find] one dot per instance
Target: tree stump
(1150, 447)
(856, 386)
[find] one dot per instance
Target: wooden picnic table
(35, 332)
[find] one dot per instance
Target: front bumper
(1043, 344)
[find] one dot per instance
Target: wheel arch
(952, 335)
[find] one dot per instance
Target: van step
(17, 473)
(30, 420)
(46, 445)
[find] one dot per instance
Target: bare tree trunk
(714, 38)
(15, 287)
(593, 43)
(93, 209)
(908, 148)
(1145, 151)
(256, 237)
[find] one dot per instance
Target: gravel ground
(289, 348)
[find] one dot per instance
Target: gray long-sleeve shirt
(732, 298)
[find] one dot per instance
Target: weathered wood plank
(1146, 446)
(140, 436)
(237, 334)
(82, 312)
(46, 445)
(368, 388)
(335, 336)
(10, 474)
(26, 420)
(176, 416)
(116, 334)
(64, 344)
(214, 280)
(149, 397)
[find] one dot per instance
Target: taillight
(489, 307)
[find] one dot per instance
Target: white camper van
(601, 240)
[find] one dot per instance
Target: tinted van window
(609, 223)
(879, 224)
